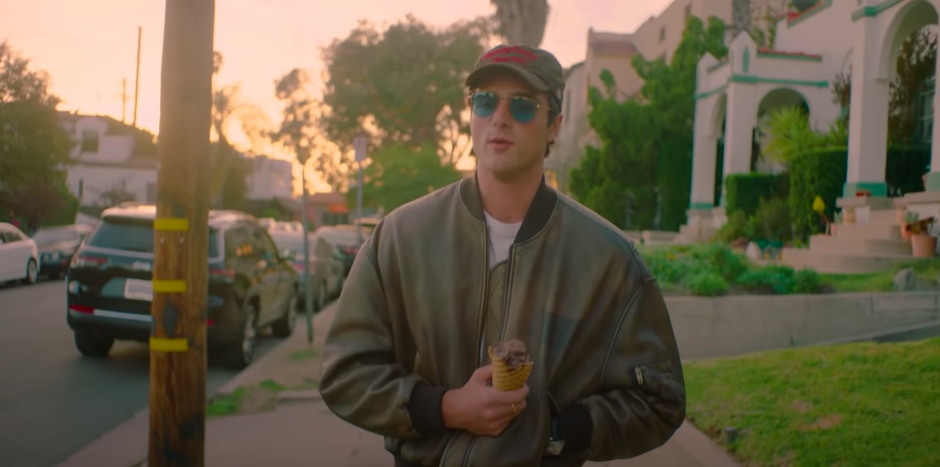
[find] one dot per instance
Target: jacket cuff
(577, 428)
(424, 408)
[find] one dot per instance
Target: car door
(7, 256)
(21, 251)
(266, 263)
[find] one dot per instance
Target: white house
(108, 156)
(860, 38)
(269, 179)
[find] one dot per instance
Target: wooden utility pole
(140, 37)
(178, 340)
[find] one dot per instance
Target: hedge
(815, 173)
(746, 190)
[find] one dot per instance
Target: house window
(662, 34)
(925, 135)
(89, 141)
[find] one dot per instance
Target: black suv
(109, 289)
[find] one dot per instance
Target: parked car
(56, 247)
(345, 242)
(249, 285)
(326, 270)
(19, 257)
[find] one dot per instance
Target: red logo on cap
(510, 54)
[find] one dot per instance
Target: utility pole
(140, 35)
(308, 289)
(178, 336)
(361, 146)
(123, 100)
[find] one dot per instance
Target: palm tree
(522, 22)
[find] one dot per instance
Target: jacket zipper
(481, 323)
(506, 298)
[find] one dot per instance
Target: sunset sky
(89, 47)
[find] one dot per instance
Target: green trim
(786, 82)
(933, 181)
(788, 57)
(809, 13)
(746, 60)
(702, 206)
(719, 89)
(875, 188)
(871, 11)
(717, 66)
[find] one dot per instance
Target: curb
(127, 444)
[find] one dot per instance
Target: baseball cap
(537, 67)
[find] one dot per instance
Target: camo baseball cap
(537, 67)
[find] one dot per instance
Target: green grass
(226, 405)
(304, 354)
(928, 270)
(852, 405)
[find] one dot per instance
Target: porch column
(933, 177)
(739, 132)
(703, 155)
(868, 118)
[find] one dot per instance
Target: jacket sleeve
(363, 381)
(641, 403)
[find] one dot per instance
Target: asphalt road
(53, 401)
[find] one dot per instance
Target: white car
(19, 257)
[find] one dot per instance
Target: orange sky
(90, 46)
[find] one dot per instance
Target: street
(53, 401)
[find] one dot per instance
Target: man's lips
(499, 142)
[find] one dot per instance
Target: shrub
(806, 281)
(775, 279)
(771, 221)
(745, 191)
(708, 284)
(815, 173)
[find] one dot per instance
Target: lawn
(928, 270)
(852, 405)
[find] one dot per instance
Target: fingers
(482, 374)
(510, 397)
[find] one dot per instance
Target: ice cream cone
(506, 379)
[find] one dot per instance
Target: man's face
(510, 141)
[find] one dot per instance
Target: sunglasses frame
(538, 104)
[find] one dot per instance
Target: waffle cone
(505, 379)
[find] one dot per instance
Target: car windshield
(134, 234)
(52, 236)
(346, 237)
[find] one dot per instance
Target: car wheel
(284, 327)
(241, 353)
(93, 345)
(32, 272)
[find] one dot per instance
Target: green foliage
(33, 145)
(708, 284)
(406, 81)
(746, 190)
(771, 221)
(647, 143)
(398, 174)
(905, 166)
(714, 269)
(916, 64)
(815, 173)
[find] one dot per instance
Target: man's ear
(555, 127)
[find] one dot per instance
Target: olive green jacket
(410, 326)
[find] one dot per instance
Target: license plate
(135, 289)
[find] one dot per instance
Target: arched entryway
(719, 124)
(770, 114)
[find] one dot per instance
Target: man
(488, 259)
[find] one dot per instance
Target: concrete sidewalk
(301, 431)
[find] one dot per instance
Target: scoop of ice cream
(513, 353)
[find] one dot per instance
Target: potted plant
(923, 245)
(909, 219)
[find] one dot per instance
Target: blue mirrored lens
(484, 104)
(522, 109)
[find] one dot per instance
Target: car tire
(32, 272)
(238, 355)
(284, 327)
(93, 345)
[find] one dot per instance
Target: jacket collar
(538, 215)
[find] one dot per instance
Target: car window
(265, 246)
(10, 236)
(134, 234)
(237, 243)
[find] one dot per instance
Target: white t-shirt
(501, 236)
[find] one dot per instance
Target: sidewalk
(294, 428)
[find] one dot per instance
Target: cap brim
(481, 74)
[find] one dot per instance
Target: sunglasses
(522, 108)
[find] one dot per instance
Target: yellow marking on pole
(171, 224)
(169, 286)
(168, 345)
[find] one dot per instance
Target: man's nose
(502, 117)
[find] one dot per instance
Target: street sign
(361, 145)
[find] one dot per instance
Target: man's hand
(480, 408)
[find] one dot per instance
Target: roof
(137, 210)
(145, 142)
(573, 68)
(611, 43)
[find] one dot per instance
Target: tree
(402, 85)
(645, 162)
(521, 22)
(34, 147)
(300, 132)
(398, 174)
